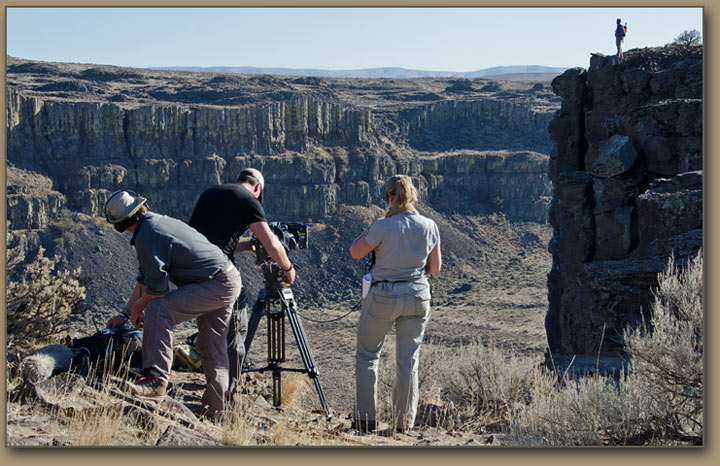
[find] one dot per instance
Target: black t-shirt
(224, 212)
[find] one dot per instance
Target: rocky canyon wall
(627, 174)
(485, 125)
(316, 151)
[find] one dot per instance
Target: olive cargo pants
(407, 306)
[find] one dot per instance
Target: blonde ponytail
(402, 188)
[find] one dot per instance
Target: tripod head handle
(271, 270)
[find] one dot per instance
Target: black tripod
(276, 301)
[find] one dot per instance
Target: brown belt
(223, 270)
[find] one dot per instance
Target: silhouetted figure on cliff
(620, 32)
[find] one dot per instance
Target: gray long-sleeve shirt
(169, 250)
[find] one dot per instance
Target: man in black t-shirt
(223, 213)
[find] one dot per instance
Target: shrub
(431, 376)
(40, 303)
(591, 410)
(490, 381)
(432, 372)
(659, 402)
(667, 355)
(687, 38)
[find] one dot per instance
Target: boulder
(615, 156)
(670, 207)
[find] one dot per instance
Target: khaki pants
(408, 307)
(211, 303)
(618, 44)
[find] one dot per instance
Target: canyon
(600, 170)
(558, 202)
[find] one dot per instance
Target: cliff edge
(626, 169)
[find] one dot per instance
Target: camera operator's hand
(137, 319)
(117, 321)
(289, 275)
(137, 314)
(243, 246)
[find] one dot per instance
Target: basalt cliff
(626, 168)
(473, 146)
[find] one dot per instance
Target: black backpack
(112, 346)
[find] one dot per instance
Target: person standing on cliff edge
(620, 32)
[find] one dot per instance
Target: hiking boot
(148, 385)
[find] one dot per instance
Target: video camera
(291, 235)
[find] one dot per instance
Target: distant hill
(498, 72)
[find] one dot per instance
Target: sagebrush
(40, 301)
(659, 401)
(667, 355)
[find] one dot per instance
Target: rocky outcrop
(320, 144)
(484, 125)
(511, 182)
(31, 202)
(626, 167)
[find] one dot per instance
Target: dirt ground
(501, 298)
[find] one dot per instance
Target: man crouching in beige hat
(208, 284)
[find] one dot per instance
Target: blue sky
(438, 39)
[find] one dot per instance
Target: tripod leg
(277, 388)
(276, 351)
(257, 313)
(305, 352)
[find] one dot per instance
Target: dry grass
(103, 427)
(237, 428)
(294, 389)
(79, 415)
(659, 402)
(109, 422)
(490, 382)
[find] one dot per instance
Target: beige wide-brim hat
(121, 205)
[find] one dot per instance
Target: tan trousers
(618, 44)
(211, 303)
(409, 310)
